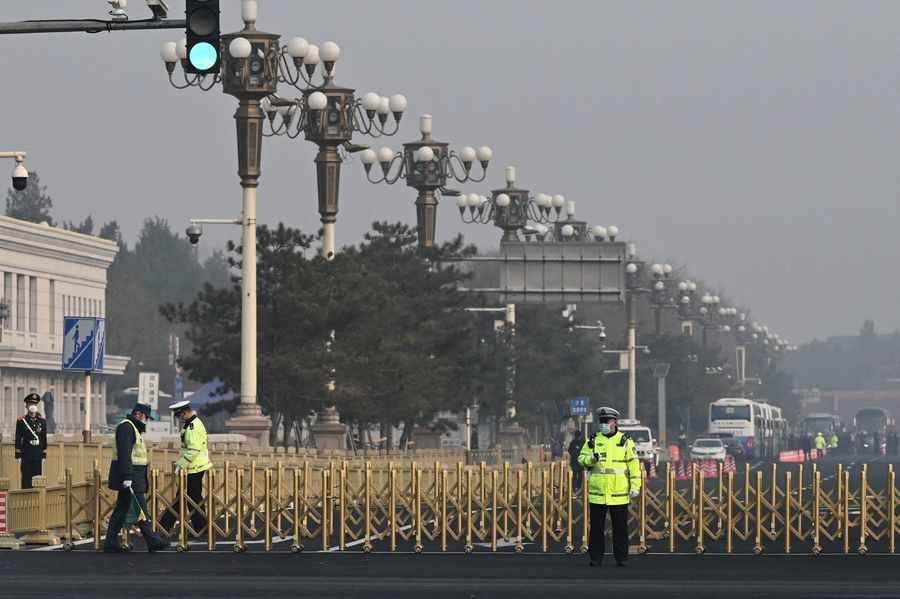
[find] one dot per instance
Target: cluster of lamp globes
(425, 154)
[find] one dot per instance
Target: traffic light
(202, 34)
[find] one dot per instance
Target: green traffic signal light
(202, 18)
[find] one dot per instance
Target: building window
(52, 310)
(20, 302)
(32, 305)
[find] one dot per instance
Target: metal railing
(434, 507)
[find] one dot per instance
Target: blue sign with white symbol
(83, 343)
(580, 406)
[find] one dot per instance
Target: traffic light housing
(202, 32)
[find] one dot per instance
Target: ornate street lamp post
(327, 115)
(427, 166)
(659, 296)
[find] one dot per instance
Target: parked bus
(756, 425)
(820, 423)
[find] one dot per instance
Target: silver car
(708, 449)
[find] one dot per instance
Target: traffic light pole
(88, 26)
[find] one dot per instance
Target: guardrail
(436, 507)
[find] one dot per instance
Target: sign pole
(86, 432)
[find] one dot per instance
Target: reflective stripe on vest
(139, 451)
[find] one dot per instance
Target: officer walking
(128, 476)
(615, 478)
(194, 461)
(31, 440)
(833, 442)
(820, 443)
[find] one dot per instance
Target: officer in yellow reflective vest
(194, 460)
(128, 476)
(615, 478)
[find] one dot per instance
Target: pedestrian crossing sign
(83, 343)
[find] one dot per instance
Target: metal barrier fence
(415, 507)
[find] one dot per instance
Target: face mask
(32, 409)
(605, 428)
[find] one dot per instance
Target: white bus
(756, 425)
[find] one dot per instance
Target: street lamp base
(249, 421)
(328, 431)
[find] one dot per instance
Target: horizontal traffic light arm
(88, 26)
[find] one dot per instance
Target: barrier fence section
(432, 507)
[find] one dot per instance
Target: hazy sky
(756, 143)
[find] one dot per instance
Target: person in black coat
(31, 441)
(128, 476)
(577, 469)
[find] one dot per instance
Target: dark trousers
(597, 540)
(117, 520)
(30, 468)
(195, 492)
(577, 477)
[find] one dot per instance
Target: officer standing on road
(128, 476)
(614, 480)
(194, 461)
(820, 443)
(31, 440)
(833, 442)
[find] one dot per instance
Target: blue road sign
(580, 406)
(83, 343)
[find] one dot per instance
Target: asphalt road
(225, 575)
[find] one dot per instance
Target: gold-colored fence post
(239, 545)
(482, 477)
(267, 525)
(800, 500)
(817, 516)
(670, 507)
(225, 494)
(586, 511)
(845, 508)
(570, 505)
(182, 510)
(495, 480)
(787, 512)
(392, 517)
(280, 502)
(892, 505)
(69, 526)
(546, 514)
(746, 498)
(417, 484)
(367, 544)
(211, 510)
(863, 510)
(642, 548)
(758, 548)
(469, 547)
(719, 505)
(342, 511)
(729, 523)
(460, 467)
(444, 522)
(154, 498)
(698, 510)
(98, 502)
(774, 479)
(519, 507)
(326, 506)
(297, 546)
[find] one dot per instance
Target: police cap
(32, 398)
(606, 413)
(180, 406)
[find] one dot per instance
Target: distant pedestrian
(575, 446)
(892, 443)
(807, 446)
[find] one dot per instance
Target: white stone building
(47, 273)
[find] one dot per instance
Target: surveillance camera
(193, 233)
(20, 177)
(160, 8)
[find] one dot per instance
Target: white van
(644, 444)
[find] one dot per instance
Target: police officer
(820, 443)
(615, 478)
(194, 461)
(31, 440)
(833, 442)
(128, 476)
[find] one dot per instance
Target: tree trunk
(405, 435)
(287, 425)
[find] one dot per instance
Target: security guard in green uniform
(615, 478)
(31, 440)
(128, 476)
(194, 461)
